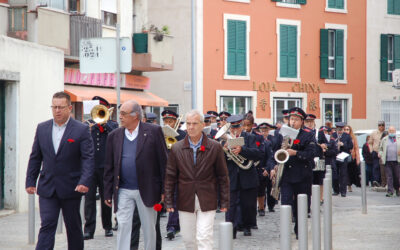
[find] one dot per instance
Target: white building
(383, 56)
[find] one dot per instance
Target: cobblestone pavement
(379, 229)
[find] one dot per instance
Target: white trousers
(148, 216)
(197, 228)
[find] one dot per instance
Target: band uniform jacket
(72, 165)
(347, 142)
(151, 159)
(297, 168)
(268, 162)
(332, 150)
(245, 179)
(99, 136)
(204, 178)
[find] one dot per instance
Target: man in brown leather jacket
(197, 165)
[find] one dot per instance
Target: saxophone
(281, 156)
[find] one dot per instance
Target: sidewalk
(378, 229)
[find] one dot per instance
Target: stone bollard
(302, 213)
(328, 213)
(316, 217)
(31, 219)
(363, 188)
(225, 236)
(286, 221)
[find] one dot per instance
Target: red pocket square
(71, 140)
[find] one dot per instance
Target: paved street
(379, 229)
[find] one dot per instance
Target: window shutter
(283, 43)
(276, 0)
(390, 9)
(292, 51)
(302, 1)
(396, 7)
(241, 48)
(384, 57)
(396, 49)
(339, 55)
(231, 43)
(340, 4)
(331, 3)
(324, 51)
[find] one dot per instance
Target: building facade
(270, 55)
(383, 58)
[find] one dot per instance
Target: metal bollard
(82, 209)
(363, 188)
(31, 219)
(316, 217)
(60, 224)
(286, 221)
(225, 236)
(302, 212)
(328, 213)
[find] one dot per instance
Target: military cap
(285, 112)
(224, 114)
(340, 124)
(151, 116)
(266, 125)
(212, 113)
(310, 117)
(207, 117)
(235, 120)
(102, 101)
(298, 112)
(169, 114)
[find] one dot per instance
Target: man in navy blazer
(134, 171)
(62, 155)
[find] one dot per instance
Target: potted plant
(140, 39)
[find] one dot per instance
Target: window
(288, 51)
(284, 103)
(393, 7)
(109, 18)
(336, 4)
(390, 56)
(236, 104)
(17, 19)
(56, 4)
(237, 28)
(291, 1)
(332, 54)
(390, 113)
(74, 6)
(334, 110)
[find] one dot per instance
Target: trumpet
(239, 160)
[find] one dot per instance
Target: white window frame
(247, 20)
(286, 99)
(348, 97)
(389, 71)
(239, 1)
(343, 11)
(234, 93)
(285, 95)
(288, 5)
(344, 28)
(297, 23)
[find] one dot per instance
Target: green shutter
(331, 3)
(396, 49)
(339, 55)
(302, 1)
(288, 51)
(384, 57)
(236, 47)
(276, 0)
(390, 9)
(324, 51)
(396, 8)
(339, 4)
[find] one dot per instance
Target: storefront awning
(82, 93)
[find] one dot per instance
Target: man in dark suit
(99, 133)
(136, 156)
(65, 149)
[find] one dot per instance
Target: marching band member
(243, 183)
(297, 171)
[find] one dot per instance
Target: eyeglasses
(381, 125)
(58, 107)
(123, 113)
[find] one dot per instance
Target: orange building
(269, 55)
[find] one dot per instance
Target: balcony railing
(83, 27)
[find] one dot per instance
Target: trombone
(171, 140)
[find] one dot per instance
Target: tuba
(239, 160)
(281, 157)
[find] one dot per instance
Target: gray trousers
(127, 199)
(392, 175)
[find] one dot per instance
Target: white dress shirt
(57, 134)
(132, 136)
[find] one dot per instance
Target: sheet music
(235, 142)
(342, 156)
(168, 131)
(288, 131)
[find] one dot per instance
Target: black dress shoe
(247, 232)
(170, 235)
(108, 233)
(87, 236)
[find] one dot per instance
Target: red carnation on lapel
(202, 148)
(100, 128)
(297, 141)
(157, 207)
(71, 140)
(257, 143)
